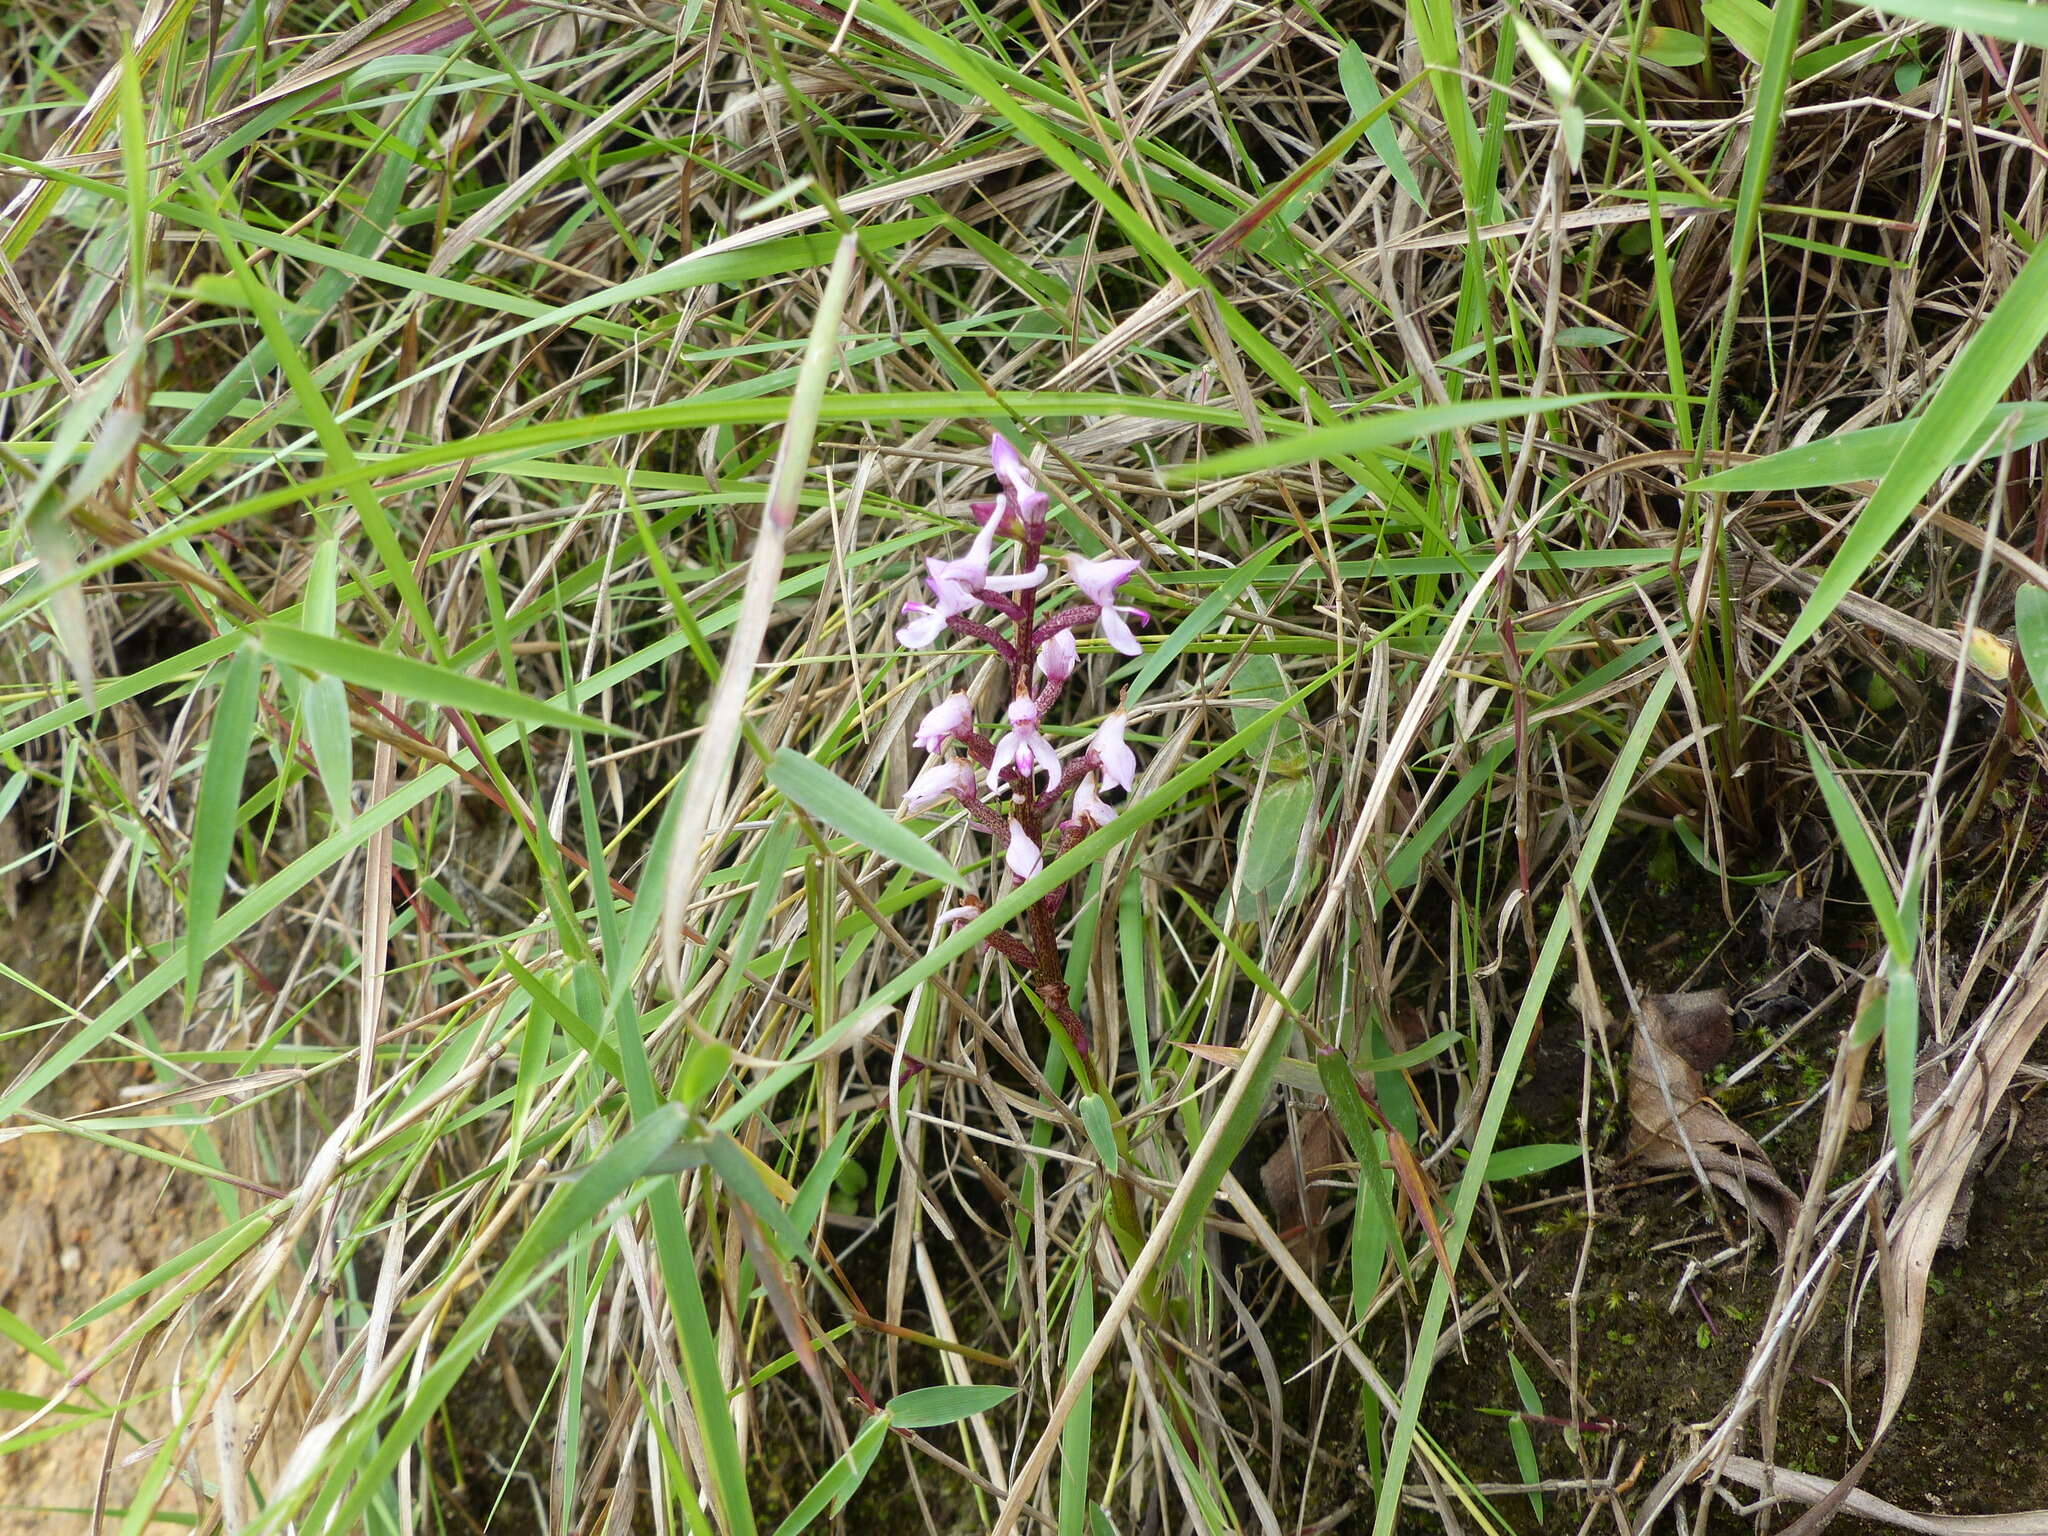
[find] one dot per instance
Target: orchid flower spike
(1022, 747)
(1119, 763)
(1098, 581)
(1058, 658)
(1022, 857)
(1090, 806)
(946, 721)
(943, 778)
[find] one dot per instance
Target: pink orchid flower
(1091, 807)
(1059, 657)
(951, 718)
(943, 778)
(929, 621)
(1022, 747)
(1119, 762)
(970, 573)
(1098, 581)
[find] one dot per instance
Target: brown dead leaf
(1294, 1181)
(1676, 1126)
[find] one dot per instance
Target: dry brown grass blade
(1942, 1159)
(1676, 1127)
(1805, 1487)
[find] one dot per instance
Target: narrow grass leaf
(840, 1480)
(217, 816)
(1867, 453)
(1857, 843)
(1365, 433)
(1968, 392)
(818, 790)
(930, 1407)
(386, 672)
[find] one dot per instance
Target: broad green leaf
(324, 700)
(2017, 21)
(1272, 838)
(1362, 94)
(368, 667)
(1518, 1432)
(1673, 47)
(1745, 23)
(1867, 453)
(929, 1407)
(1972, 387)
(2030, 625)
(821, 792)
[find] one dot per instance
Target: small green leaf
(368, 667)
(1101, 1129)
(823, 794)
(1272, 839)
(2030, 622)
(930, 1407)
(1673, 47)
(1518, 1432)
(1521, 1162)
(1362, 94)
(1745, 23)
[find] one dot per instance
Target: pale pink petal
(1022, 857)
(1119, 762)
(1022, 581)
(1090, 806)
(1059, 657)
(950, 718)
(1099, 579)
(943, 778)
(1110, 624)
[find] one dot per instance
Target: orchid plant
(1017, 787)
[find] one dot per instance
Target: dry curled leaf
(1674, 1125)
(1295, 1181)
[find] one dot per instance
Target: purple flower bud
(1091, 807)
(943, 778)
(1119, 762)
(1022, 507)
(951, 718)
(1059, 657)
(1022, 857)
